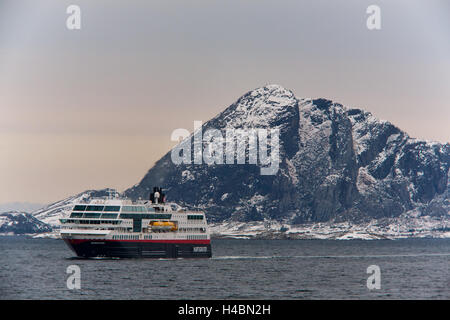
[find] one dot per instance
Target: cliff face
(336, 164)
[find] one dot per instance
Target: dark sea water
(239, 269)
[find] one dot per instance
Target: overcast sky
(95, 107)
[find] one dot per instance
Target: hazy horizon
(94, 108)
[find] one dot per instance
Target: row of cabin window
(117, 208)
(122, 215)
(165, 216)
(192, 229)
(96, 208)
(197, 237)
(90, 221)
(85, 228)
(137, 209)
(126, 237)
(194, 217)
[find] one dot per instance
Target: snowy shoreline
(388, 229)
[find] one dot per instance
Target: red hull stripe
(78, 241)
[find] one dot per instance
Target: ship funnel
(157, 196)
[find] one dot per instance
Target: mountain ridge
(363, 167)
(16, 222)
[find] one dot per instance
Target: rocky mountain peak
(336, 164)
(259, 108)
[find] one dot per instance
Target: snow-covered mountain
(15, 222)
(337, 165)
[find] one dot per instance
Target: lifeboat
(163, 226)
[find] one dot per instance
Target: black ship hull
(140, 248)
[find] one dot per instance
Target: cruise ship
(122, 228)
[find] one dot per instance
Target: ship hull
(140, 248)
